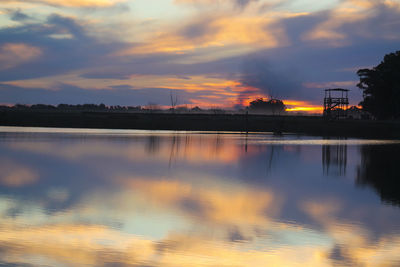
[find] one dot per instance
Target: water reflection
(177, 199)
(334, 159)
(379, 169)
(153, 144)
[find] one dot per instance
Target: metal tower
(336, 102)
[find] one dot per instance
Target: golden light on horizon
(302, 106)
(315, 109)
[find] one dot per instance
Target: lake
(80, 197)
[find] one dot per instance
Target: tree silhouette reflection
(153, 144)
(379, 168)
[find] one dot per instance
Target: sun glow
(315, 109)
(302, 106)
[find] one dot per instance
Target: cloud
(112, 74)
(358, 19)
(235, 3)
(261, 74)
(337, 84)
(17, 15)
(340, 257)
(71, 3)
(14, 54)
(239, 34)
(69, 25)
(65, 93)
(24, 44)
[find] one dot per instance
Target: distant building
(358, 114)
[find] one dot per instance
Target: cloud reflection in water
(188, 200)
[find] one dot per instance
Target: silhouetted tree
(381, 87)
(21, 106)
(274, 106)
(196, 109)
(42, 106)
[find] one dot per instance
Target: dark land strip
(311, 125)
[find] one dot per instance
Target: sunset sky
(207, 53)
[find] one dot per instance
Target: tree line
(68, 107)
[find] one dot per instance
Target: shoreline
(310, 125)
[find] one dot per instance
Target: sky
(206, 53)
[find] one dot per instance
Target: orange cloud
(252, 31)
(392, 4)
(347, 11)
(194, 84)
(14, 54)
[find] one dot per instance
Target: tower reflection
(334, 160)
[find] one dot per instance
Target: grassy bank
(202, 122)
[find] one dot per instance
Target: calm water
(146, 198)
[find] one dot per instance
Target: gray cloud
(107, 75)
(244, 3)
(17, 15)
(14, 264)
(117, 95)
(382, 24)
(340, 256)
(260, 73)
(197, 29)
(60, 55)
(62, 24)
